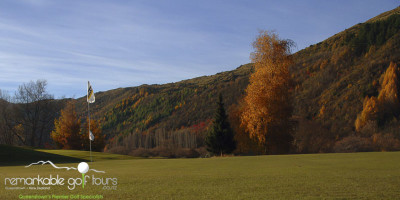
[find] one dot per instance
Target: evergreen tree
(220, 138)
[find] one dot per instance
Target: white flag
(90, 94)
(91, 136)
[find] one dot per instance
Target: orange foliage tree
(368, 114)
(244, 143)
(268, 102)
(386, 106)
(98, 143)
(66, 133)
(388, 97)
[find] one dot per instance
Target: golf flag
(90, 94)
(91, 136)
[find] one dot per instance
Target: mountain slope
(169, 106)
(334, 76)
(332, 79)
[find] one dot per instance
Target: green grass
(315, 176)
(12, 155)
(85, 155)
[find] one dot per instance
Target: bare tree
(7, 131)
(34, 111)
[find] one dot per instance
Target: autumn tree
(268, 102)
(369, 114)
(388, 97)
(220, 137)
(244, 143)
(379, 110)
(66, 133)
(98, 143)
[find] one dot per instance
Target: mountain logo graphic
(83, 168)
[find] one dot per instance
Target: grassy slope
(11, 155)
(313, 176)
(85, 155)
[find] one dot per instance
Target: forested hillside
(170, 106)
(333, 82)
(332, 78)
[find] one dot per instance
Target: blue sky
(121, 43)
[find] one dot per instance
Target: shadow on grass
(13, 156)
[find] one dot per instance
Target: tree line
(265, 114)
(260, 122)
(28, 115)
(32, 117)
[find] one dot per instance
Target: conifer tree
(220, 139)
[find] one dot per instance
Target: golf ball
(83, 167)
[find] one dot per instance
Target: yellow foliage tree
(244, 144)
(268, 104)
(388, 97)
(387, 105)
(66, 133)
(369, 113)
(98, 143)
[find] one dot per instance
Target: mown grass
(316, 176)
(12, 155)
(85, 155)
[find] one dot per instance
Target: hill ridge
(332, 79)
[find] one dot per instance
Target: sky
(123, 43)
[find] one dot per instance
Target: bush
(167, 152)
(118, 150)
(141, 152)
(203, 153)
(311, 137)
(353, 144)
(386, 142)
(186, 153)
(164, 152)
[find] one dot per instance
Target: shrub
(118, 150)
(311, 137)
(186, 153)
(167, 152)
(140, 152)
(203, 153)
(353, 144)
(386, 142)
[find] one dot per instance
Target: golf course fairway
(373, 175)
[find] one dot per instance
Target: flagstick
(90, 141)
